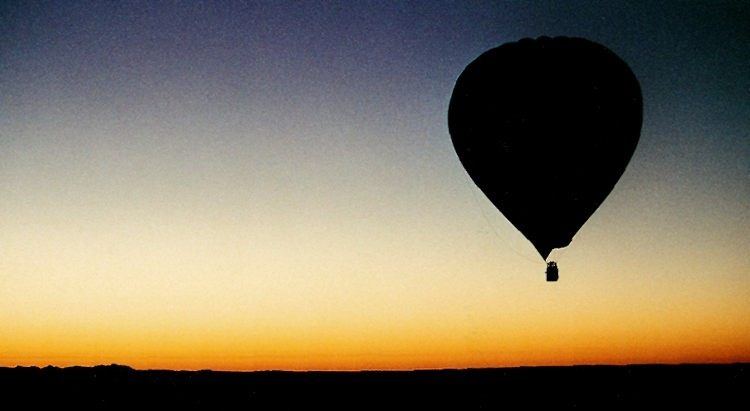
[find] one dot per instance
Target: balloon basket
(552, 273)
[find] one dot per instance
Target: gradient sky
(271, 185)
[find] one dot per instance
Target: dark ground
(604, 387)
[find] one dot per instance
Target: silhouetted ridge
(610, 387)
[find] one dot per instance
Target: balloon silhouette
(545, 127)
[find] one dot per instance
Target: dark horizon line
(384, 370)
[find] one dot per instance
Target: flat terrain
(605, 387)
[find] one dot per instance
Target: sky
(272, 185)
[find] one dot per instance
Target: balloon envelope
(545, 127)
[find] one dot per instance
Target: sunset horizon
(249, 186)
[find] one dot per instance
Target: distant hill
(605, 387)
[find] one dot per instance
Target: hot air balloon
(545, 128)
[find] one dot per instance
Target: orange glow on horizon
(541, 338)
